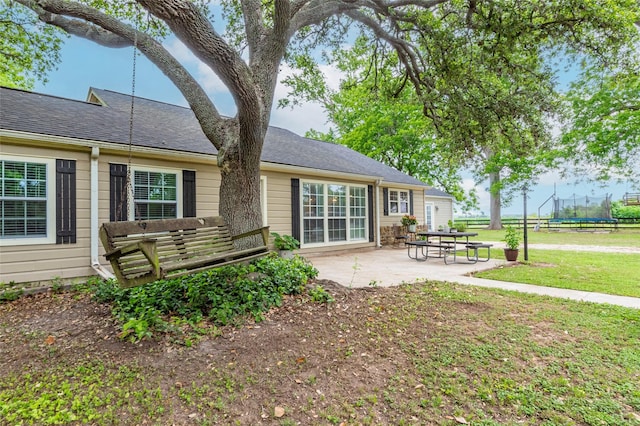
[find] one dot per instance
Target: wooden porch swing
(143, 251)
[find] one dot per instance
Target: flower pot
(511, 254)
(412, 228)
(286, 254)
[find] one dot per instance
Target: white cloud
(205, 76)
(309, 115)
(300, 119)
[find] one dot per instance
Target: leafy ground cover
(431, 353)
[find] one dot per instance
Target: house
(65, 165)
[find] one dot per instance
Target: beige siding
(396, 218)
(279, 207)
(278, 202)
(207, 181)
(42, 262)
(444, 212)
(45, 262)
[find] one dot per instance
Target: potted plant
(452, 227)
(460, 227)
(512, 240)
(410, 221)
(285, 244)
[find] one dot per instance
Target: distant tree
(601, 137)
(374, 115)
(490, 96)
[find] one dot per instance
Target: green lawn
(432, 354)
(610, 273)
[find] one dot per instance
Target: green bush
(223, 295)
(620, 211)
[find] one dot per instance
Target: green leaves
(602, 134)
(224, 295)
(29, 48)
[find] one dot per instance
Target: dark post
(526, 246)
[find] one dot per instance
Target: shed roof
(161, 125)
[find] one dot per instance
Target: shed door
(429, 216)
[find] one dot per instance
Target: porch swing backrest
(144, 251)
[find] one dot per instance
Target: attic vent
(93, 99)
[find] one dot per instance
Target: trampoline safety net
(582, 207)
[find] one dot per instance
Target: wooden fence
(556, 224)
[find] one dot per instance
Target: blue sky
(85, 64)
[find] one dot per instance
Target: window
(358, 213)
(398, 202)
(333, 213)
(27, 206)
(155, 195)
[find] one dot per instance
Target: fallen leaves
(278, 412)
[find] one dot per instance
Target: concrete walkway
(392, 266)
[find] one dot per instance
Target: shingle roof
(165, 126)
(433, 192)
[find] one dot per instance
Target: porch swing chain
(128, 184)
(128, 187)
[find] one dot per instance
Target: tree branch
(252, 11)
(108, 28)
(197, 33)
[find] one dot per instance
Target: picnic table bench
(424, 246)
(448, 245)
(148, 250)
(471, 249)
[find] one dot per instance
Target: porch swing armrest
(264, 231)
(146, 246)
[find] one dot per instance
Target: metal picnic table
(446, 244)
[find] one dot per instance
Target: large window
(333, 213)
(398, 202)
(155, 195)
(26, 200)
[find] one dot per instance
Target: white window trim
(408, 201)
(51, 204)
(179, 188)
(263, 200)
(325, 217)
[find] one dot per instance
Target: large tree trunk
(240, 196)
(240, 179)
(495, 202)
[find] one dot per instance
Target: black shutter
(411, 202)
(295, 208)
(188, 193)
(118, 207)
(370, 211)
(385, 200)
(65, 201)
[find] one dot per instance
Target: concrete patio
(391, 266)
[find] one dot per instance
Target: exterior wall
(278, 201)
(444, 211)
(396, 218)
(41, 263)
(207, 180)
(279, 208)
(49, 261)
